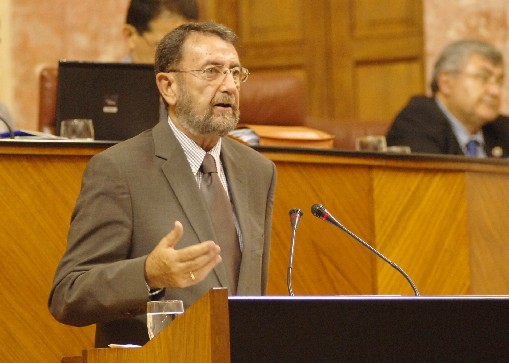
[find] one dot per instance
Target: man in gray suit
(140, 229)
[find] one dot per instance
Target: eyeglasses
(485, 78)
(214, 73)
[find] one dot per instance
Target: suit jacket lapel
(184, 186)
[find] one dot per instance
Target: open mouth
(223, 105)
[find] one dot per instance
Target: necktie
(472, 147)
(221, 213)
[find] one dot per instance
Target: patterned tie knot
(208, 165)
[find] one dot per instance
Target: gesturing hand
(167, 267)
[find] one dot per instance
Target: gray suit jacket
(131, 195)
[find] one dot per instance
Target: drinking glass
(161, 313)
(77, 129)
(371, 143)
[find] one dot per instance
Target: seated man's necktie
(472, 148)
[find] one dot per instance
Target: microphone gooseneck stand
(320, 212)
(295, 216)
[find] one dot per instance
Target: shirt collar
(194, 153)
(461, 133)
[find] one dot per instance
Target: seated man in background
(147, 21)
(463, 115)
(143, 227)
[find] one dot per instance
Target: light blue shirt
(461, 133)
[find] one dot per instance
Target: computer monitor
(121, 98)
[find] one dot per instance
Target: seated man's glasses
(215, 73)
(485, 78)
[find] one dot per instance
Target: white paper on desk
(124, 346)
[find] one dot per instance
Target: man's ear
(129, 33)
(445, 81)
(167, 86)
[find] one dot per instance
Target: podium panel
(369, 329)
(218, 329)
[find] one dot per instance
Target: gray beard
(207, 123)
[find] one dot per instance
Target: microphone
(11, 133)
(295, 216)
(319, 211)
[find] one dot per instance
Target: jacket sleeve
(96, 281)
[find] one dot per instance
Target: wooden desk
(442, 219)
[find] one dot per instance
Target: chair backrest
(267, 98)
(48, 81)
(273, 98)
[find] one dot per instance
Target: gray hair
(456, 55)
(169, 50)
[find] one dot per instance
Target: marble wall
(42, 32)
(37, 33)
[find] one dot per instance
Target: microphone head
(318, 210)
(295, 211)
(295, 215)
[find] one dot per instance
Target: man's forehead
(480, 62)
(202, 46)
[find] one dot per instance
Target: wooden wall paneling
(37, 195)
(387, 17)
(293, 37)
(388, 56)
(270, 21)
(422, 225)
(287, 36)
(384, 65)
(271, 33)
(488, 218)
(220, 11)
(326, 261)
(318, 62)
(341, 65)
(382, 87)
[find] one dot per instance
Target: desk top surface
(283, 154)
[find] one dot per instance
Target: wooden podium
(326, 329)
(201, 334)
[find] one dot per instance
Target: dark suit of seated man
(463, 116)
